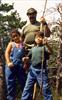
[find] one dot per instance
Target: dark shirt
(38, 54)
(29, 32)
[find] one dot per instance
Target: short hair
(39, 33)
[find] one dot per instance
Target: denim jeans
(10, 75)
(40, 76)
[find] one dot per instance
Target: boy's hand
(26, 66)
(25, 59)
(26, 63)
(45, 41)
(10, 64)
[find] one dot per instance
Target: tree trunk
(2, 82)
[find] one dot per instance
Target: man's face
(32, 17)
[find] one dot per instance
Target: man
(34, 26)
(29, 32)
(31, 28)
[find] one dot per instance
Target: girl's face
(16, 37)
(38, 40)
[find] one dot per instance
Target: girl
(14, 66)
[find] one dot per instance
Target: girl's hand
(10, 64)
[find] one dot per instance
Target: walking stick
(44, 28)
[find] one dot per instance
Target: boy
(38, 69)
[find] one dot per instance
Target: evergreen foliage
(9, 19)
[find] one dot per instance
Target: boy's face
(38, 39)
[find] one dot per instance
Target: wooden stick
(34, 92)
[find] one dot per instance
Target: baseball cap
(31, 11)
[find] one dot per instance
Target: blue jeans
(10, 75)
(40, 76)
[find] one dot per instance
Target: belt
(37, 66)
